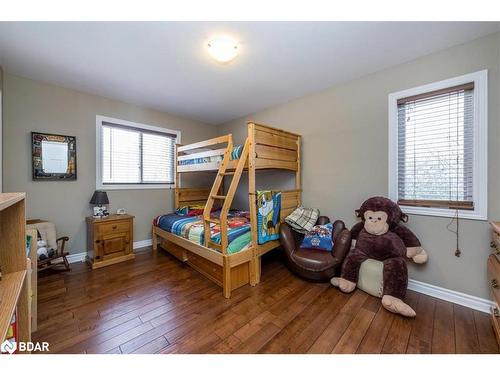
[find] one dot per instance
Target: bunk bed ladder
(213, 196)
(227, 199)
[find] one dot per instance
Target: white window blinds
(435, 148)
(136, 156)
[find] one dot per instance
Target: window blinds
(435, 148)
(136, 156)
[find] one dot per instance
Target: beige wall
(35, 106)
(345, 155)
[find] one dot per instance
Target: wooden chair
(59, 260)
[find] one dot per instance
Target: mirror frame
(36, 156)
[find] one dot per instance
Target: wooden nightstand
(109, 240)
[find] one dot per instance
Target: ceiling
(165, 65)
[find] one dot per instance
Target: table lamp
(99, 200)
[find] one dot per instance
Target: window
(438, 148)
(134, 156)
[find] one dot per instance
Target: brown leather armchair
(315, 265)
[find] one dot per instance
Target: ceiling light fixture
(223, 50)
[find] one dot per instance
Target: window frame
(136, 186)
(480, 146)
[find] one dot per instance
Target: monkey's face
(376, 222)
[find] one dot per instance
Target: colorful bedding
(191, 228)
(235, 154)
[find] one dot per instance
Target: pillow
(302, 219)
(320, 238)
(194, 210)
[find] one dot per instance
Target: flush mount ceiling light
(223, 50)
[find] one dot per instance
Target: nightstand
(109, 240)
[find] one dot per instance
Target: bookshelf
(32, 277)
(13, 285)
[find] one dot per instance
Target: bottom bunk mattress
(191, 228)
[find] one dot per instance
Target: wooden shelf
(10, 289)
(9, 199)
(13, 288)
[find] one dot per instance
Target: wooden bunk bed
(265, 148)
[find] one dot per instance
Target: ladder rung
(226, 173)
(219, 196)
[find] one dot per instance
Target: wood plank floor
(155, 304)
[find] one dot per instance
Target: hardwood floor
(155, 304)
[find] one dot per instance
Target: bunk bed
(206, 242)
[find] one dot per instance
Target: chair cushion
(313, 259)
(320, 237)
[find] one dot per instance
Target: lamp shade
(100, 197)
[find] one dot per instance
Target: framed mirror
(53, 157)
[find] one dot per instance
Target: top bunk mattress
(235, 154)
(191, 228)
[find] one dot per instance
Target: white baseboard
(459, 298)
(80, 257)
(143, 243)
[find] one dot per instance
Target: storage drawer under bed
(239, 275)
(211, 270)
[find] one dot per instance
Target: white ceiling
(164, 65)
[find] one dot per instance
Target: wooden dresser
(109, 240)
(494, 277)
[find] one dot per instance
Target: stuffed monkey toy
(381, 237)
(414, 250)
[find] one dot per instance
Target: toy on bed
(381, 237)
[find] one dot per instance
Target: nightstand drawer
(494, 277)
(113, 227)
